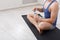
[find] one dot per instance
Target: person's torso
(47, 12)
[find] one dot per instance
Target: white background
(6, 4)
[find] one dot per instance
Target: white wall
(6, 4)
(29, 1)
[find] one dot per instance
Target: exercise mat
(47, 35)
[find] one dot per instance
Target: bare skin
(42, 23)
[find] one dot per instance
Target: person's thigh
(45, 26)
(30, 15)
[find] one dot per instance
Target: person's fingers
(34, 9)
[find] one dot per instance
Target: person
(50, 10)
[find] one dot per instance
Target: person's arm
(54, 12)
(40, 9)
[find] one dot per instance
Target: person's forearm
(46, 20)
(40, 9)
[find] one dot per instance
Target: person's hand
(36, 17)
(34, 9)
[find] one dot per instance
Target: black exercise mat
(48, 35)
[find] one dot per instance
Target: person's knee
(28, 16)
(42, 25)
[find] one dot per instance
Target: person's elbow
(52, 21)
